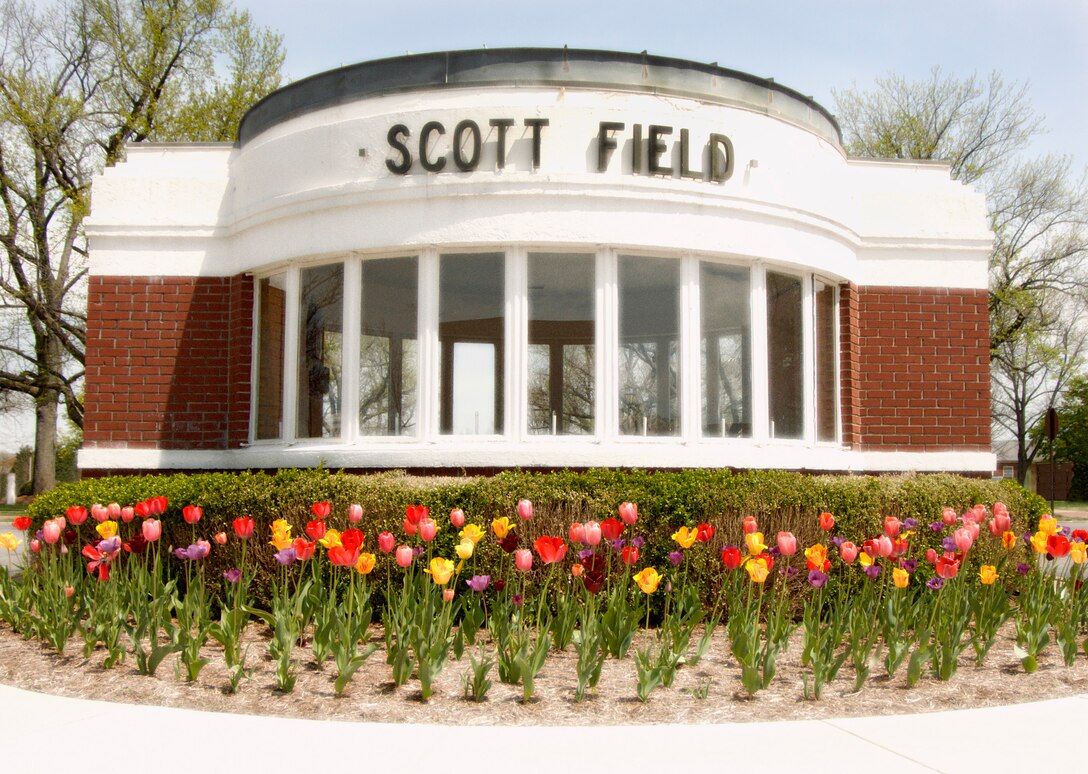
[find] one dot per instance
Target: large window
(725, 350)
(649, 377)
(388, 352)
(471, 334)
(433, 347)
(320, 352)
(562, 357)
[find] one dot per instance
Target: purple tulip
(1023, 569)
(286, 556)
(873, 571)
(789, 571)
(478, 582)
(618, 543)
(676, 557)
(584, 554)
(110, 546)
(817, 579)
(516, 599)
(233, 576)
(949, 544)
(838, 540)
(638, 541)
(418, 551)
(910, 565)
(936, 583)
(910, 523)
(775, 551)
(937, 526)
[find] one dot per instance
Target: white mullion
(427, 321)
(760, 377)
(516, 334)
(290, 354)
(690, 375)
(808, 358)
(607, 333)
(353, 305)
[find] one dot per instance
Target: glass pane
(320, 351)
(785, 361)
(649, 378)
(388, 353)
(725, 350)
(471, 338)
(271, 335)
(827, 404)
(561, 351)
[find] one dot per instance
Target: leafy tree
(79, 79)
(1071, 444)
(1038, 211)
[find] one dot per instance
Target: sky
(811, 47)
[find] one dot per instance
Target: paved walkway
(41, 733)
(16, 555)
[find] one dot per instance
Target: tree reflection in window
(388, 355)
(320, 372)
(725, 350)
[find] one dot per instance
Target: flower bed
(502, 595)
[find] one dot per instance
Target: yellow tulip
(865, 559)
(685, 537)
(472, 533)
(648, 579)
(757, 569)
(331, 539)
(440, 570)
(107, 529)
(501, 526)
(1008, 540)
(900, 577)
(9, 541)
(1048, 525)
(1078, 552)
(464, 549)
(1038, 540)
(987, 573)
(755, 543)
(817, 556)
(365, 563)
(281, 534)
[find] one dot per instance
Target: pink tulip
(523, 559)
(355, 513)
(883, 546)
(979, 512)
(114, 511)
(35, 545)
(61, 522)
(525, 510)
(100, 513)
(964, 539)
(629, 513)
(892, 526)
(974, 529)
(152, 530)
(427, 529)
(750, 525)
(404, 556)
(128, 513)
(457, 518)
(948, 516)
(787, 543)
(69, 591)
(931, 555)
(1000, 523)
(447, 595)
(848, 551)
(221, 538)
(386, 541)
(51, 531)
(592, 533)
(1000, 509)
(577, 533)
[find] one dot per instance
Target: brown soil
(372, 697)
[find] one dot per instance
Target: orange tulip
(827, 522)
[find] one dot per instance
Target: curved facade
(541, 258)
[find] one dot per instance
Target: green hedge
(666, 500)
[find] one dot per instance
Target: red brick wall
(923, 369)
(168, 362)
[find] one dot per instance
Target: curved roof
(570, 68)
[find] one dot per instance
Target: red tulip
(550, 549)
(415, 513)
(630, 555)
(404, 556)
(705, 532)
(892, 526)
(577, 533)
(947, 566)
(322, 509)
(787, 543)
(731, 557)
(158, 505)
(143, 509)
(69, 591)
(447, 595)
(355, 513)
(386, 541)
(315, 529)
(22, 523)
(352, 539)
(243, 527)
(342, 556)
(457, 518)
(931, 555)
(611, 528)
(827, 522)
(427, 529)
(35, 545)
(1057, 546)
(523, 559)
(192, 513)
(304, 549)
(77, 514)
(629, 513)
(750, 525)
(221, 538)
(592, 533)
(409, 528)
(151, 530)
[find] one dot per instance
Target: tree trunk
(45, 441)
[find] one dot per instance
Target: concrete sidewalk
(41, 733)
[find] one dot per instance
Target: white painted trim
(429, 348)
(499, 453)
(761, 406)
(288, 430)
(350, 349)
(808, 358)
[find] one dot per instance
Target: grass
(9, 512)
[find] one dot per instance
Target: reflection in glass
(785, 361)
(561, 352)
(471, 338)
(387, 347)
(725, 350)
(649, 331)
(827, 414)
(271, 335)
(320, 351)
